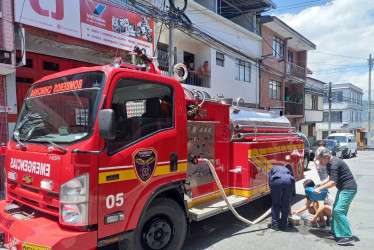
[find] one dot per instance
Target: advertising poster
(61, 16)
(116, 27)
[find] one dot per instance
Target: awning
(364, 130)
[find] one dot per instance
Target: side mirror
(349, 140)
(106, 124)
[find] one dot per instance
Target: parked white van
(346, 140)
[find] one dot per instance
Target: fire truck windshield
(61, 110)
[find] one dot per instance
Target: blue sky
(294, 6)
(343, 31)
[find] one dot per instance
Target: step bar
(214, 207)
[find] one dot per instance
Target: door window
(141, 109)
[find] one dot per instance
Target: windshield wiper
(20, 144)
(56, 145)
(53, 144)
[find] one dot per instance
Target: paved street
(226, 232)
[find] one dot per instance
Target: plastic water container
(316, 197)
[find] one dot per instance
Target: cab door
(149, 151)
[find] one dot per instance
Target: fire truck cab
(109, 154)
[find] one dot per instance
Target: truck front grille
(32, 189)
(30, 201)
(5, 222)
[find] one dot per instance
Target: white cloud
(341, 27)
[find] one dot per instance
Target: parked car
(333, 145)
(306, 149)
(348, 140)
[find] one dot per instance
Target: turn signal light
(12, 175)
(46, 184)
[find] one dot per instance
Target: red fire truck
(110, 154)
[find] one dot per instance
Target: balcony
(294, 70)
(294, 109)
(192, 79)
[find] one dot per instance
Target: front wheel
(349, 154)
(164, 226)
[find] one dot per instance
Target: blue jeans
(281, 192)
(340, 225)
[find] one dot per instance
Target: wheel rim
(157, 233)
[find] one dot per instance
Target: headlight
(74, 214)
(74, 201)
(75, 190)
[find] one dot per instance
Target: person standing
(282, 186)
(340, 176)
(191, 73)
(321, 169)
(202, 73)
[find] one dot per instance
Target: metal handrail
(239, 126)
(242, 135)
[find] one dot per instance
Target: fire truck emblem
(28, 179)
(145, 164)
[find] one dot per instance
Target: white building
(230, 43)
(346, 110)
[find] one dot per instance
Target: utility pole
(171, 42)
(330, 99)
(370, 62)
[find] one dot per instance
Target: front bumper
(42, 230)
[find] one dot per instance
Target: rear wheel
(355, 154)
(164, 226)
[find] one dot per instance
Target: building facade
(346, 110)
(283, 69)
(230, 43)
(7, 73)
(314, 92)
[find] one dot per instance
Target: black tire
(164, 226)
(349, 154)
(355, 154)
(306, 162)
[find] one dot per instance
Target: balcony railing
(192, 79)
(294, 108)
(295, 70)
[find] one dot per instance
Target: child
(319, 209)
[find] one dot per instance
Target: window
(242, 71)
(278, 47)
(220, 59)
(274, 90)
(141, 109)
(336, 116)
(163, 56)
(314, 102)
(337, 96)
(51, 66)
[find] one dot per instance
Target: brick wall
(267, 49)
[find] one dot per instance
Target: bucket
(316, 197)
(294, 219)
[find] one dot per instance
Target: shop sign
(61, 16)
(116, 27)
(90, 20)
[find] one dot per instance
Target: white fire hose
(259, 219)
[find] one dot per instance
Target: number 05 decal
(111, 200)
